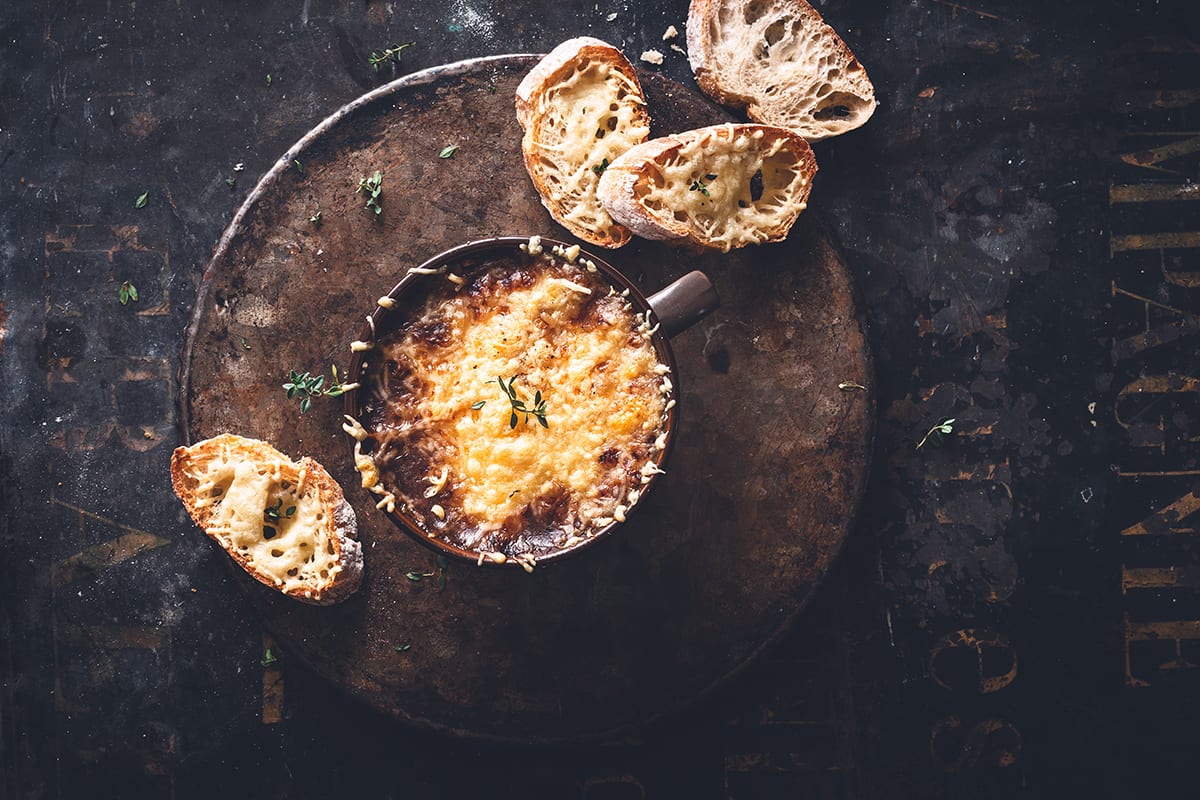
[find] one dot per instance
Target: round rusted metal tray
(768, 469)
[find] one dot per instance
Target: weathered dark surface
(1019, 217)
(718, 559)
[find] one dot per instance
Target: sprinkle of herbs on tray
(943, 428)
(448, 151)
(372, 187)
(380, 57)
(127, 292)
(307, 386)
(141, 201)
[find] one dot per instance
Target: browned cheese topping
(446, 385)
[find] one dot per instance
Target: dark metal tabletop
(1016, 609)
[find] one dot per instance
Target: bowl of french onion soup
(516, 398)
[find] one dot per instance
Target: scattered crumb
(670, 33)
(611, 17)
(679, 49)
(652, 57)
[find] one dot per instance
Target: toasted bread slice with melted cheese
(722, 187)
(778, 60)
(284, 522)
(580, 107)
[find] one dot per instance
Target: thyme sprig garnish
(380, 57)
(274, 515)
(372, 187)
(127, 292)
(943, 428)
(308, 386)
(537, 410)
(416, 576)
(701, 186)
(276, 512)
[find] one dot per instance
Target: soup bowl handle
(685, 302)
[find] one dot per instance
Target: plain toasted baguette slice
(238, 489)
(580, 107)
(778, 60)
(722, 187)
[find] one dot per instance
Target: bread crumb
(679, 49)
(652, 57)
(611, 17)
(670, 33)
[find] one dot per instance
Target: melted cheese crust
(709, 179)
(299, 554)
(588, 120)
(527, 488)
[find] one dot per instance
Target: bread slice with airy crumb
(780, 62)
(284, 522)
(580, 107)
(722, 187)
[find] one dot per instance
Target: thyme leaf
(307, 386)
(127, 292)
(372, 187)
(380, 57)
(701, 185)
(937, 431)
(518, 406)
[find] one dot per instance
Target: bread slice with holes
(722, 187)
(284, 522)
(580, 107)
(780, 62)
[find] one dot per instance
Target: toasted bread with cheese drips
(286, 523)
